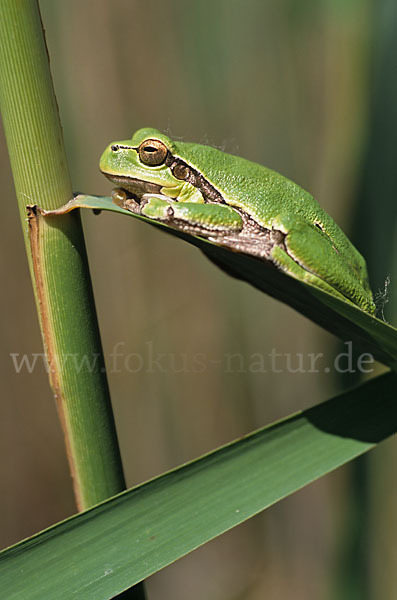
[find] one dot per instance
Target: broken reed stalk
(59, 266)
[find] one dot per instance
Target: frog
(238, 204)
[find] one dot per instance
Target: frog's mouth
(134, 188)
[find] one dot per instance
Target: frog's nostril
(114, 148)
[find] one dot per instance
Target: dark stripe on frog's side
(212, 196)
(253, 238)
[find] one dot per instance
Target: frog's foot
(126, 200)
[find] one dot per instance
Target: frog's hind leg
(285, 263)
(310, 255)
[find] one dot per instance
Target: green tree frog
(238, 204)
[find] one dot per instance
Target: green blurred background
(307, 88)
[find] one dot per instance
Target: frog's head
(148, 164)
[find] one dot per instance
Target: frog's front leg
(204, 219)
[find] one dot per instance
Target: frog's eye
(181, 171)
(152, 152)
